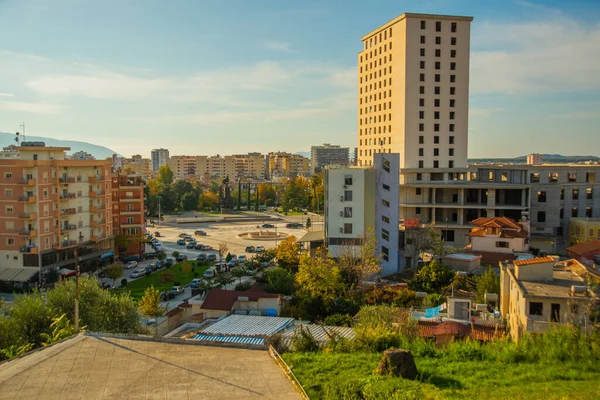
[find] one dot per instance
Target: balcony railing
(29, 216)
(95, 238)
(94, 224)
(96, 178)
(131, 198)
(65, 196)
(26, 181)
(68, 179)
(65, 243)
(29, 249)
(26, 197)
(68, 227)
(68, 211)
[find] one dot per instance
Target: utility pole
(23, 126)
(76, 290)
(159, 210)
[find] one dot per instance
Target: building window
(574, 212)
(453, 27)
(348, 229)
(385, 234)
(452, 114)
(421, 152)
(422, 77)
(438, 40)
(423, 24)
(436, 127)
(436, 102)
(436, 115)
(502, 245)
(436, 139)
(453, 41)
(588, 213)
(347, 212)
(452, 90)
(561, 213)
(553, 177)
(422, 64)
(418, 191)
(572, 176)
(451, 152)
(421, 139)
(437, 77)
(348, 180)
(421, 127)
(448, 235)
(419, 177)
(420, 163)
(438, 53)
(436, 90)
(421, 114)
(452, 102)
(450, 164)
(422, 52)
(436, 164)
(451, 140)
(438, 65)
(385, 165)
(590, 177)
(8, 192)
(589, 193)
(436, 152)
(541, 195)
(422, 39)
(438, 26)
(422, 89)
(347, 195)
(418, 210)
(541, 216)
(385, 203)
(421, 102)
(536, 308)
(385, 219)
(452, 78)
(9, 209)
(535, 177)
(385, 187)
(385, 253)
(575, 194)
(452, 66)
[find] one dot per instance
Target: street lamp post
(159, 198)
(76, 290)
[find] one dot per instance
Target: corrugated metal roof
(249, 325)
(321, 333)
(231, 339)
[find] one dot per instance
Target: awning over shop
(18, 274)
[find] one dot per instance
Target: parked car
(131, 265)
(231, 264)
(250, 272)
(188, 238)
(137, 273)
(153, 267)
(181, 242)
(182, 235)
(211, 257)
(106, 286)
(182, 257)
(195, 282)
(206, 247)
(198, 246)
(259, 249)
(190, 245)
(200, 232)
(250, 249)
(158, 247)
(166, 296)
(177, 290)
(161, 264)
(168, 262)
(268, 226)
(242, 258)
(157, 234)
(210, 273)
(201, 257)
(294, 225)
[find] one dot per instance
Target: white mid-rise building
(159, 158)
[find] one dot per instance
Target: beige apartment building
(50, 206)
(138, 165)
(251, 165)
(287, 165)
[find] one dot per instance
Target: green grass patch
(181, 277)
(350, 376)
(291, 213)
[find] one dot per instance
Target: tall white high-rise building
(159, 157)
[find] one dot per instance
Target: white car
(259, 249)
(137, 273)
(131, 265)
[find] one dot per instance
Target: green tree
(295, 194)
(239, 272)
(149, 305)
(432, 278)
(214, 187)
(319, 276)
(223, 249)
(175, 254)
(208, 201)
(488, 282)
(224, 279)
(360, 262)
(288, 252)
(189, 201)
(279, 280)
(62, 328)
(114, 271)
(181, 188)
(51, 276)
(267, 194)
(164, 177)
(31, 317)
(161, 256)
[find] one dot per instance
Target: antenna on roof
(23, 128)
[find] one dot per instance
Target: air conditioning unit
(341, 198)
(342, 214)
(341, 230)
(345, 186)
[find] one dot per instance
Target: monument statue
(225, 200)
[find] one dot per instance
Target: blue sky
(222, 77)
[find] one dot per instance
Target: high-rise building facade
(159, 157)
(128, 211)
(413, 92)
(136, 165)
(327, 154)
(287, 165)
(51, 206)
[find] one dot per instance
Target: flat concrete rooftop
(559, 287)
(88, 367)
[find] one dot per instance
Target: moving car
(177, 290)
(168, 262)
(166, 296)
(201, 257)
(211, 257)
(294, 225)
(131, 265)
(200, 232)
(182, 257)
(137, 273)
(259, 249)
(250, 249)
(268, 226)
(181, 242)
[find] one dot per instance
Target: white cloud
(552, 55)
(477, 112)
(6, 94)
(36, 108)
(279, 46)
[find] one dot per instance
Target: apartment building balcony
(95, 193)
(97, 237)
(70, 179)
(29, 250)
(68, 196)
(67, 211)
(26, 232)
(95, 224)
(65, 244)
(29, 216)
(130, 212)
(94, 209)
(130, 198)
(130, 225)
(26, 181)
(96, 178)
(28, 198)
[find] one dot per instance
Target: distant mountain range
(548, 158)
(304, 154)
(99, 152)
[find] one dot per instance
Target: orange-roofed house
(585, 252)
(499, 235)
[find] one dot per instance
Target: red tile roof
(508, 234)
(497, 222)
(537, 260)
(582, 249)
(219, 299)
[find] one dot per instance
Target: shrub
(124, 282)
(339, 320)
(243, 286)
(344, 387)
(303, 341)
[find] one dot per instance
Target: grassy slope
(443, 379)
(137, 287)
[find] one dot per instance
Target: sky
(224, 77)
